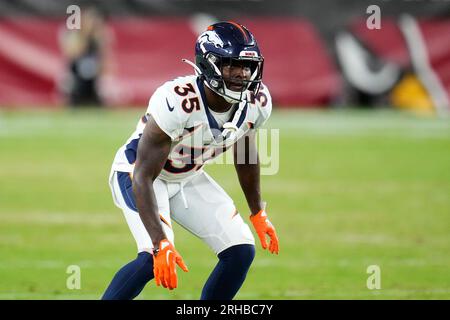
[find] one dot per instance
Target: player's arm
(152, 153)
(246, 163)
(153, 150)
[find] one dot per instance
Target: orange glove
(164, 268)
(263, 226)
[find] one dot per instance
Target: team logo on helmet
(209, 37)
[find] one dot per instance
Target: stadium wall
(149, 38)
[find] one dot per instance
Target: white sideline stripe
(324, 121)
(65, 218)
(421, 62)
(323, 124)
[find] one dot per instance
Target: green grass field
(355, 188)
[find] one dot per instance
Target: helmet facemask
(224, 86)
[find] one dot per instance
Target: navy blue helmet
(227, 44)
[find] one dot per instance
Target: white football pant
(199, 205)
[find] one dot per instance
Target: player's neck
(215, 102)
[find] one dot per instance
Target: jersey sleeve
(264, 105)
(162, 107)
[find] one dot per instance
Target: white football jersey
(180, 110)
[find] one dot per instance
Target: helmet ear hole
(214, 59)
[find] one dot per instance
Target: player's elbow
(142, 177)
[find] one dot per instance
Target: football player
(157, 176)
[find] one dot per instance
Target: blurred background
(361, 93)
(322, 54)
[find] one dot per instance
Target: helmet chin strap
(229, 99)
(227, 95)
(231, 96)
(229, 128)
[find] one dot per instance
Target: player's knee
(242, 254)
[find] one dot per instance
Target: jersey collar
(211, 120)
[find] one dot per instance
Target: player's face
(234, 72)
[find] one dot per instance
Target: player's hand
(264, 227)
(164, 265)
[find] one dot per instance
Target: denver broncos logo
(209, 37)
